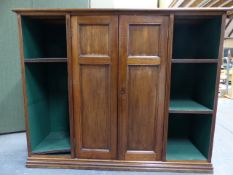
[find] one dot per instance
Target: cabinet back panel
(58, 97)
(37, 98)
(32, 38)
(194, 128)
(47, 100)
(194, 81)
(205, 84)
(44, 38)
(196, 38)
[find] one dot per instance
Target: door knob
(122, 91)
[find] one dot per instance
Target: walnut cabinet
(121, 89)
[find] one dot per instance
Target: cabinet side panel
(220, 54)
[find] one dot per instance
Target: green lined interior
(188, 137)
(193, 86)
(196, 37)
(47, 94)
(44, 37)
(187, 105)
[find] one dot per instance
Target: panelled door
(94, 67)
(142, 71)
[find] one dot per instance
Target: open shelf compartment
(47, 98)
(188, 137)
(44, 37)
(192, 88)
(196, 37)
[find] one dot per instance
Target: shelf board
(182, 149)
(188, 106)
(194, 60)
(55, 142)
(45, 60)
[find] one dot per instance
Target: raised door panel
(142, 95)
(94, 66)
(95, 96)
(143, 54)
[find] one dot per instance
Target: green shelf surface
(187, 105)
(183, 149)
(54, 142)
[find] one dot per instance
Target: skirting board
(55, 162)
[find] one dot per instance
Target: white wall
(134, 4)
(164, 3)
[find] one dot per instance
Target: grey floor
(13, 151)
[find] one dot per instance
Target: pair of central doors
(119, 78)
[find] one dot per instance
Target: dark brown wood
(220, 55)
(21, 51)
(70, 87)
(141, 86)
(95, 53)
(66, 10)
(62, 162)
(199, 60)
(45, 60)
(168, 84)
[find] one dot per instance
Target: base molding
(54, 162)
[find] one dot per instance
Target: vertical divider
(168, 84)
(70, 87)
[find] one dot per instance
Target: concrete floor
(13, 151)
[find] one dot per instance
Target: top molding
(109, 10)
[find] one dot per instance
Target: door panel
(142, 95)
(95, 54)
(95, 96)
(143, 39)
(91, 42)
(143, 52)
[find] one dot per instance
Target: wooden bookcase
(193, 86)
(121, 89)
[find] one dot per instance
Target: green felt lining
(44, 38)
(192, 86)
(53, 142)
(196, 38)
(183, 149)
(195, 82)
(47, 93)
(186, 105)
(188, 136)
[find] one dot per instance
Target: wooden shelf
(194, 60)
(45, 60)
(182, 149)
(188, 106)
(55, 142)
